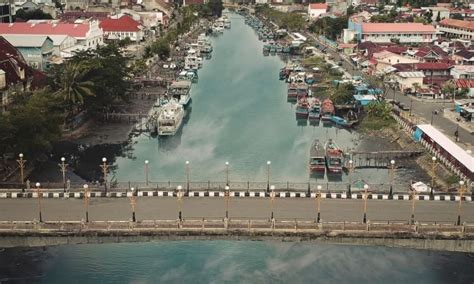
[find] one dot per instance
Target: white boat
(192, 61)
(180, 91)
(170, 118)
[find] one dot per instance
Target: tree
(32, 15)
(216, 7)
(379, 110)
(343, 94)
(438, 17)
(161, 48)
(73, 85)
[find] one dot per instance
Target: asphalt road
(149, 208)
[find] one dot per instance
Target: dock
(380, 159)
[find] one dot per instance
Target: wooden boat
(302, 108)
(315, 109)
(334, 157)
(292, 91)
(317, 160)
(327, 110)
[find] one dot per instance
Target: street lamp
(133, 203)
(21, 164)
(366, 195)
(272, 198)
(187, 176)
(226, 198)
(105, 168)
(179, 196)
(461, 195)
(318, 201)
(227, 173)
(392, 173)
(433, 175)
(413, 200)
(38, 192)
(351, 168)
(146, 172)
(269, 163)
(86, 200)
(63, 166)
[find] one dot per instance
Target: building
(463, 72)
(317, 9)
(6, 8)
(441, 12)
(406, 80)
(122, 28)
(36, 50)
(457, 29)
(385, 60)
(88, 34)
(464, 57)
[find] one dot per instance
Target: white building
(402, 32)
(457, 28)
(317, 9)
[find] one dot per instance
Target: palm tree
(73, 86)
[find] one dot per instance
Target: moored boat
(170, 118)
(292, 91)
(334, 157)
(317, 160)
(327, 110)
(302, 108)
(315, 109)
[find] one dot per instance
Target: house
(385, 60)
(317, 9)
(457, 28)
(463, 72)
(437, 12)
(431, 53)
(15, 74)
(36, 50)
(390, 32)
(464, 57)
(88, 34)
(121, 28)
(406, 80)
(465, 84)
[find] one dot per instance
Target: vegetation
(378, 116)
(32, 15)
(290, 21)
(343, 93)
(329, 27)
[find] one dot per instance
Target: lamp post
(38, 192)
(366, 195)
(105, 168)
(318, 202)
(272, 199)
(63, 166)
(227, 174)
(86, 201)
(268, 175)
(226, 198)
(461, 195)
(392, 174)
(133, 203)
(146, 172)
(21, 164)
(433, 176)
(179, 196)
(186, 169)
(351, 168)
(413, 202)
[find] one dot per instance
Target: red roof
(397, 28)
(465, 83)
(123, 24)
(432, 66)
(46, 28)
(318, 6)
(458, 24)
(194, 2)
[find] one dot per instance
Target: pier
(380, 159)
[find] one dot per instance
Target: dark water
(232, 262)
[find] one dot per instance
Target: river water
(239, 114)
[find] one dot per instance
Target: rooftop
(26, 40)
(318, 6)
(46, 28)
(411, 74)
(122, 24)
(458, 24)
(397, 28)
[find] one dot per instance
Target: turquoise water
(239, 114)
(233, 262)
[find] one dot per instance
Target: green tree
(32, 15)
(161, 48)
(438, 17)
(343, 94)
(216, 7)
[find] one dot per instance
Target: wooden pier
(380, 159)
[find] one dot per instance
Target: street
(150, 208)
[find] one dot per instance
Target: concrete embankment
(457, 239)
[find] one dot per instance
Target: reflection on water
(233, 262)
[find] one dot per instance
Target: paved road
(257, 208)
(422, 109)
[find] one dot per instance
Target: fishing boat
(190, 75)
(292, 91)
(317, 160)
(315, 109)
(302, 90)
(349, 121)
(327, 110)
(334, 157)
(302, 108)
(180, 91)
(170, 118)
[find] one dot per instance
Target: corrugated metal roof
(452, 148)
(26, 40)
(411, 74)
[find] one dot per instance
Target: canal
(239, 114)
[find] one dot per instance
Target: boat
(180, 91)
(292, 91)
(315, 109)
(189, 75)
(349, 121)
(170, 118)
(302, 108)
(317, 160)
(334, 157)
(327, 110)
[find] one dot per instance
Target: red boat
(292, 91)
(334, 157)
(302, 108)
(327, 109)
